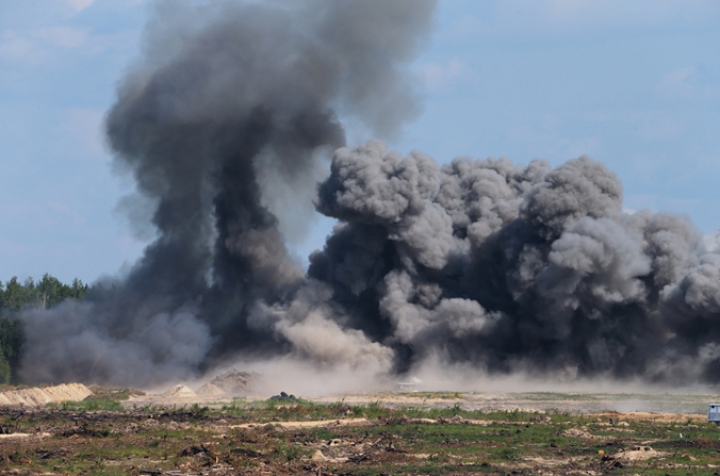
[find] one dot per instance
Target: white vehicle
(714, 413)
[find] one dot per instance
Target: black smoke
(517, 268)
(224, 124)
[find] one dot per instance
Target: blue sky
(635, 84)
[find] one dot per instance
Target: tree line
(16, 297)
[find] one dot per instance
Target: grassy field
(99, 437)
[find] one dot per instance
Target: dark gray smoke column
(233, 103)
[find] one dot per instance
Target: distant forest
(16, 297)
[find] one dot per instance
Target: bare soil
(38, 396)
(179, 432)
(655, 406)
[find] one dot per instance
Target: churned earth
(178, 432)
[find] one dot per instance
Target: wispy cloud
(63, 36)
(14, 47)
(443, 76)
(79, 5)
(688, 83)
(33, 46)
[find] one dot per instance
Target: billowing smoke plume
(516, 268)
(480, 262)
(227, 115)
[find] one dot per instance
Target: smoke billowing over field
(225, 123)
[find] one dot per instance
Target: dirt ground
(682, 404)
(416, 433)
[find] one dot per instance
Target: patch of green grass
(114, 393)
(374, 411)
(299, 409)
(290, 452)
(190, 439)
(92, 405)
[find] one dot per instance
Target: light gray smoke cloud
(485, 263)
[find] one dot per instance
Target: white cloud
(688, 83)
(79, 5)
(63, 36)
(629, 211)
(33, 45)
(677, 77)
(15, 47)
(439, 76)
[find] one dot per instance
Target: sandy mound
(210, 390)
(659, 417)
(638, 453)
(180, 391)
(577, 433)
(71, 392)
(234, 382)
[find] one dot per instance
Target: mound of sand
(33, 397)
(210, 390)
(180, 391)
(234, 382)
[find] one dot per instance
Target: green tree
(11, 340)
(14, 297)
(50, 291)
